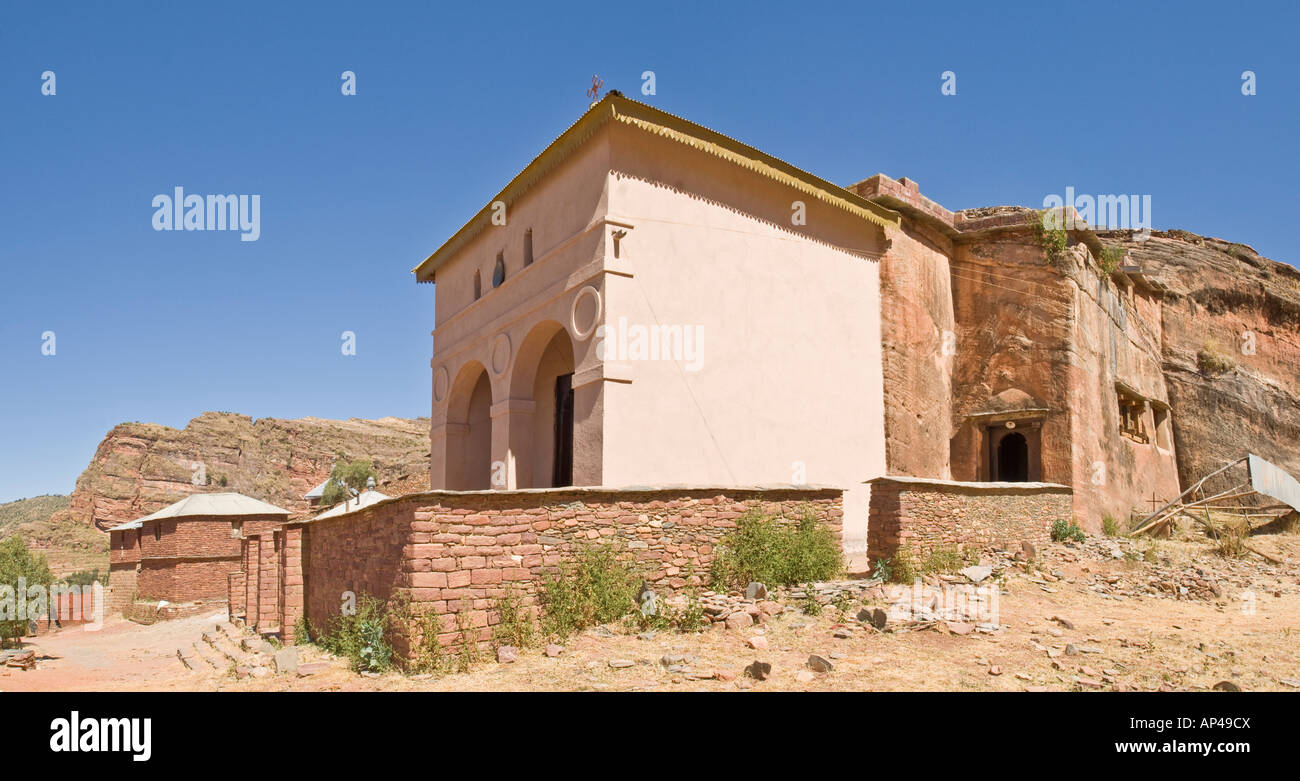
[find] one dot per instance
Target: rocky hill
(142, 467)
(1230, 325)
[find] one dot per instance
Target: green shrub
(17, 562)
(1050, 233)
(1110, 259)
(362, 636)
(690, 618)
(810, 604)
(513, 627)
(429, 656)
(903, 567)
(469, 653)
(1066, 530)
(1110, 526)
(776, 553)
(883, 569)
(594, 588)
(946, 560)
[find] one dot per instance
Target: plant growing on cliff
(595, 587)
(1050, 234)
(776, 552)
(1211, 359)
(1110, 259)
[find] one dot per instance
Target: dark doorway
(1012, 462)
(562, 471)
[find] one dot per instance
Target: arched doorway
(553, 415)
(469, 446)
(544, 374)
(1013, 459)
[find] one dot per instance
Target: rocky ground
(1105, 614)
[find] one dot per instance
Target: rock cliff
(1231, 348)
(142, 467)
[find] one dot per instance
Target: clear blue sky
(244, 98)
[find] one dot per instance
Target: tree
(17, 562)
(346, 475)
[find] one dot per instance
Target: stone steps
(206, 654)
(223, 646)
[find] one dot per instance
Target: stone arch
(543, 374)
(469, 424)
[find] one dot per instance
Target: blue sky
(451, 102)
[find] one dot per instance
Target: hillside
(142, 467)
(68, 545)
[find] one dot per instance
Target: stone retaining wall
(922, 515)
(449, 552)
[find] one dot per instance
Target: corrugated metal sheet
(1273, 481)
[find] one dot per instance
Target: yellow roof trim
(661, 123)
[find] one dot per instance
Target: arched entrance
(469, 442)
(544, 374)
(1013, 459)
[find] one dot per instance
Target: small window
(157, 532)
(478, 286)
(1132, 417)
(528, 247)
(499, 270)
(236, 527)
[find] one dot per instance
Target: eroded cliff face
(1231, 349)
(142, 467)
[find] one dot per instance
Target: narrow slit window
(499, 270)
(528, 247)
(478, 286)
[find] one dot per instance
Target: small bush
(903, 566)
(1110, 526)
(945, 560)
(776, 553)
(882, 569)
(690, 618)
(1110, 259)
(1050, 233)
(1232, 539)
(429, 655)
(810, 604)
(595, 588)
(1066, 530)
(514, 626)
(362, 636)
(469, 653)
(1213, 360)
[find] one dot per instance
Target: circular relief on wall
(500, 353)
(585, 313)
(441, 381)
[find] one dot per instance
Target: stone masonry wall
(923, 515)
(450, 552)
(268, 582)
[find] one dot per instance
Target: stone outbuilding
(185, 551)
